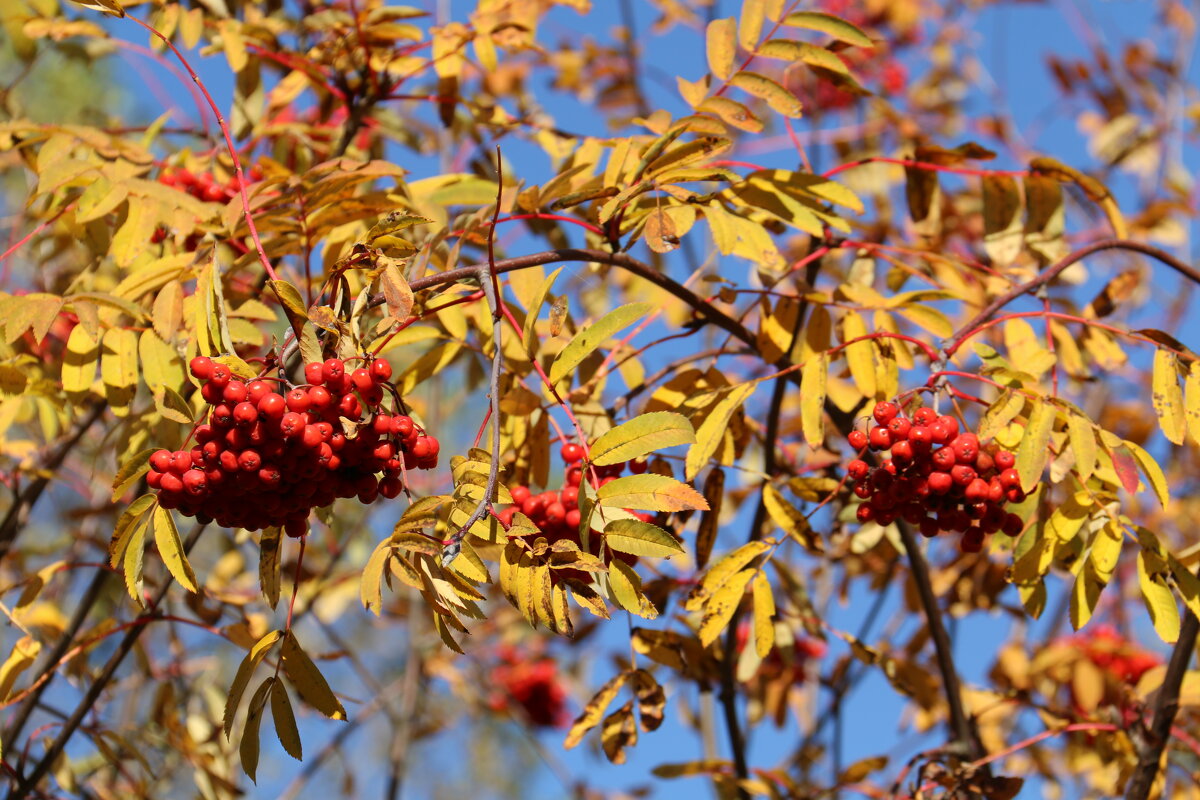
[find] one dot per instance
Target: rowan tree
(655, 378)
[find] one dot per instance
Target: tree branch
(28, 783)
(1166, 706)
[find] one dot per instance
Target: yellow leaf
(529, 336)
(170, 547)
(285, 721)
(721, 572)
(640, 539)
(1160, 602)
(627, 590)
(640, 436)
(308, 679)
(1034, 448)
(592, 336)
(790, 520)
(836, 27)
(124, 531)
(1167, 396)
(860, 355)
(168, 311)
(23, 654)
(776, 96)
(751, 22)
(1082, 438)
(1002, 228)
(812, 399)
(593, 712)
(1003, 410)
(371, 582)
(764, 615)
(732, 113)
(721, 47)
(1152, 471)
(719, 608)
(269, 564)
(1192, 405)
(111, 7)
(712, 431)
(80, 360)
(248, 748)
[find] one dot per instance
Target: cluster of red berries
(266, 459)
(532, 684)
(937, 478)
(1114, 654)
(203, 187)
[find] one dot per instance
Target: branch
(963, 728)
(966, 331)
(29, 782)
(1166, 706)
(18, 512)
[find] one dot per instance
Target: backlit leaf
(248, 749)
(764, 615)
(719, 608)
(836, 27)
(1160, 602)
(1152, 471)
(640, 436)
(529, 336)
(640, 539)
(1082, 438)
(309, 681)
(170, 547)
(721, 47)
(593, 712)
(1167, 396)
(712, 431)
(813, 378)
(592, 336)
(650, 492)
(1033, 451)
(1192, 401)
(776, 96)
(285, 721)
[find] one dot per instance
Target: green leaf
(170, 547)
(309, 681)
(642, 435)
(650, 492)
(130, 472)
(592, 336)
(836, 27)
(640, 539)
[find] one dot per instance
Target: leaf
(651, 700)
(813, 378)
(1002, 227)
(721, 572)
(721, 47)
(712, 431)
(627, 590)
(640, 539)
(170, 548)
(134, 555)
(640, 436)
(396, 292)
(593, 712)
(719, 608)
(1160, 602)
(248, 749)
(393, 223)
(371, 586)
(111, 7)
(592, 336)
(1167, 396)
(750, 24)
(269, 545)
(1153, 473)
(650, 492)
(706, 533)
(618, 732)
(1034, 449)
(529, 335)
(789, 519)
(21, 658)
(764, 615)
(660, 232)
(1192, 403)
(860, 355)
(80, 360)
(836, 27)
(1082, 438)
(246, 671)
(308, 679)
(776, 96)
(732, 113)
(1096, 191)
(788, 50)
(293, 304)
(119, 368)
(285, 721)
(129, 473)
(1003, 410)
(124, 529)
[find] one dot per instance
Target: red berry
(921, 437)
(234, 392)
(311, 437)
(220, 374)
(296, 527)
(880, 439)
(858, 440)
(249, 461)
(402, 425)
(270, 476)
(160, 461)
(154, 479)
(940, 482)
(519, 494)
(1010, 478)
(929, 527)
(272, 406)
(181, 461)
(314, 373)
(995, 491)
(201, 367)
(966, 448)
(350, 407)
(1004, 460)
(256, 390)
(194, 483)
(333, 369)
(943, 459)
(924, 416)
(573, 518)
(884, 412)
(962, 474)
(556, 512)
(569, 497)
(984, 462)
(572, 453)
(903, 452)
(245, 414)
(381, 370)
(320, 398)
(390, 487)
(899, 428)
(1015, 494)
(362, 380)
(863, 490)
(170, 483)
(857, 469)
(1012, 525)
(865, 512)
(972, 540)
(976, 491)
(940, 432)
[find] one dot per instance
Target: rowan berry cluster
(532, 684)
(203, 187)
(1114, 654)
(266, 459)
(937, 478)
